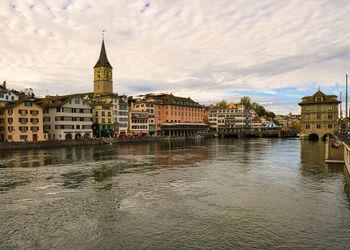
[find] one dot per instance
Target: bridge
(240, 133)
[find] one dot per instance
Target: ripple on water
(216, 194)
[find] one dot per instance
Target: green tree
(245, 100)
(270, 114)
(260, 110)
(222, 104)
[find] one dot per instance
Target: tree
(295, 126)
(245, 100)
(206, 121)
(260, 110)
(270, 114)
(222, 104)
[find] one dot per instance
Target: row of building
(102, 113)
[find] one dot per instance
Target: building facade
(229, 118)
(21, 121)
(103, 121)
(144, 107)
(67, 117)
(174, 115)
(122, 115)
(319, 114)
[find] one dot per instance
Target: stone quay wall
(67, 143)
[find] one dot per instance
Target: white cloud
(203, 49)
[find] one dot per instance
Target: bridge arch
(324, 137)
(314, 137)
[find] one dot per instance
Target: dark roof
(103, 60)
(327, 99)
(170, 99)
(13, 104)
(57, 101)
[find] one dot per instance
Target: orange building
(177, 113)
(21, 121)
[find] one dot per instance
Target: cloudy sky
(274, 51)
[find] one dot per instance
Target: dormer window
(319, 99)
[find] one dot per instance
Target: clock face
(109, 75)
(103, 74)
(98, 74)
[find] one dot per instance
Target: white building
(67, 117)
(122, 114)
(8, 96)
(229, 118)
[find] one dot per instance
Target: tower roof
(103, 60)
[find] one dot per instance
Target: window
(34, 112)
(28, 104)
(77, 126)
(10, 120)
(22, 120)
(307, 108)
(10, 128)
(46, 119)
(23, 137)
(58, 109)
(330, 126)
(34, 129)
(22, 112)
(319, 107)
(23, 129)
(330, 107)
(318, 126)
(330, 116)
(319, 116)
(77, 100)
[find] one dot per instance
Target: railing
(344, 138)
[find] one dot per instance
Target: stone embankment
(52, 144)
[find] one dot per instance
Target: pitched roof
(13, 104)
(327, 99)
(57, 101)
(103, 60)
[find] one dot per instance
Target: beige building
(318, 115)
(21, 121)
(103, 122)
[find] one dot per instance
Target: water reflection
(176, 194)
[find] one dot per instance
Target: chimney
(4, 84)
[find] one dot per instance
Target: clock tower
(103, 81)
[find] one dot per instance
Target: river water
(204, 194)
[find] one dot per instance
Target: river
(193, 194)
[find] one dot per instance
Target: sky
(275, 51)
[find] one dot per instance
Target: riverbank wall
(334, 152)
(68, 143)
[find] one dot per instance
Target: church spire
(103, 60)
